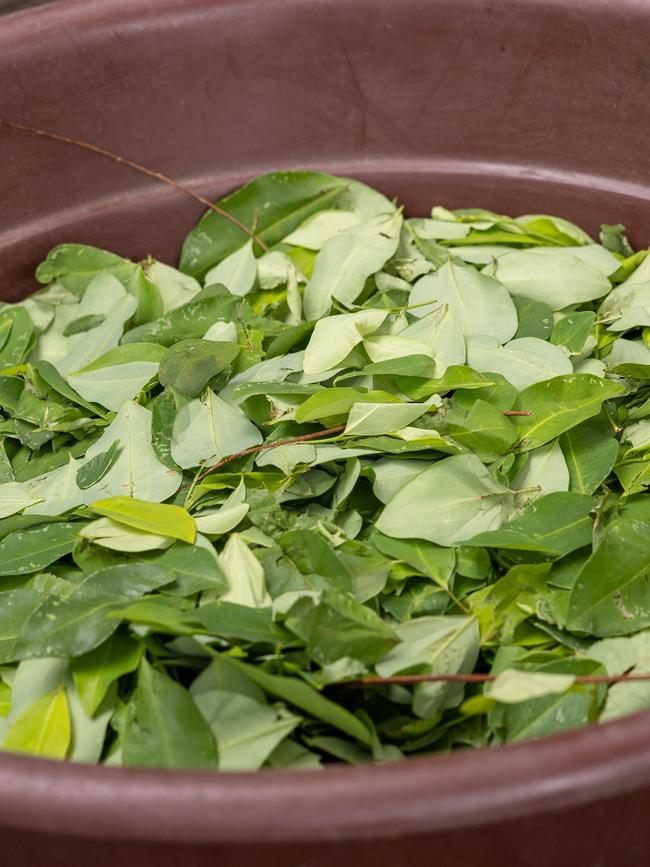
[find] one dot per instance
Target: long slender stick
(332, 431)
(406, 679)
(138, 167)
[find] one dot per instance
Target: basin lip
(375, 801)
(417, 796)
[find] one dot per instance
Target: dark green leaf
(25, 551)
(189, 365)
(96, 468)
(275, 204)
(166, 728)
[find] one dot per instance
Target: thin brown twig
(272, 445)
(138, 167)
(406, 679)
(332, 431)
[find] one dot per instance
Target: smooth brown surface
(515, 105)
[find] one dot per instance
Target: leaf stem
(406, 679)
(138, 167)
(264, 446)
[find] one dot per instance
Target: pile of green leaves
(479, 505)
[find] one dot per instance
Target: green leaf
(347, 260)
(84, 323)
(43, 729)
(501, 607)
(276, 204)
(112, 385)
(192, 320)
(553, 525)
(163, 413)
(136, 471)
(610, 594)
(535, 318)
(237, 272)
(166, 728)
(161, 519)
(239, 623)
(194, 567)
(614, 239)
(189, 365)
(19, 340)
(334, 337)
(522, 362)
(479, 304)
(54, 379)
(573, 330)
(468, 501)
(75, 265)
(246, 730)
(484, 430)
(297, 693)
(244, 573)
(443, 645)
(590, 451)
(94, 672)
(545, 469)
(119, 537)
(16, 607)
(513, 687)
(96, 468)
(208, 429)
(456, 376)
(330, 403)
(76, 624)
(559, 404)
(27, 551)
(556, 278)
(335, 625)
(556, 712)
(14, 497)
(372, 419)
(430, 560)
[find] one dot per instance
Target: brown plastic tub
(515, 105)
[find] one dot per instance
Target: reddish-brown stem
(138, 167)
(273, 445)
(406, 679)
(515, 412)
(292, 440)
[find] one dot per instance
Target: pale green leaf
(245, 574)
(556, 278)
(246, 730)
(522, 362)
(512, 686)
(237, 272)
(545, 469)
(468, 501)
(112, 386)
(478, 303)
(347, 260)
(208, 429)
(117, 537)
(445, 645)
(334, 337)
(137, 472)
